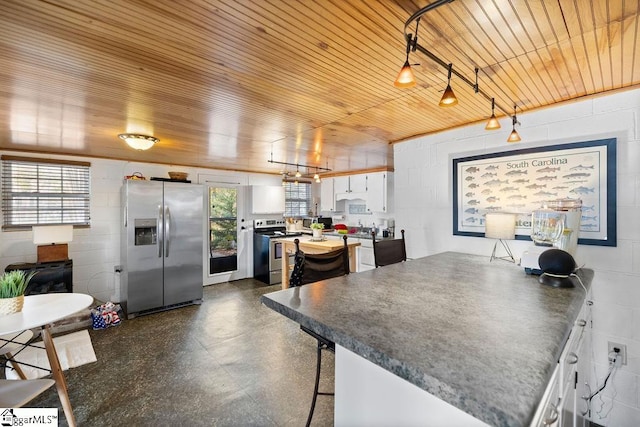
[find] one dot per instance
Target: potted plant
(316, 228)
(13, 284)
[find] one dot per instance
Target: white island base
(368, 395)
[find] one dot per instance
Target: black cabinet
(50, 277)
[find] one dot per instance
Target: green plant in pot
(316, 228)
(13, 284)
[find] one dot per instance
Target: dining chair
(17, 393)
(390, 251)
(310, 268)
(12, 343)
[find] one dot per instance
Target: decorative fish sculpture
(473, 202)
(494, 208)
(559, 187)
(495, 182)
(489, 175)
(469, 178)
(582, 190)
(517, 197)
(516, 173)
(471, 211)
(520, 181)
(581, 168)
(472, 169)
(536, 186)
(487, 191)
(546, 178)
(589, 218)
(471, 220)
(492, 199)
(577, 175)
(469, 194)
(548, 169)
(474, 185)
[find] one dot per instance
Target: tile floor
(228, 362)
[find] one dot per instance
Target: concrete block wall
(423, 200)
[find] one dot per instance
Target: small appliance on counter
(556, 225)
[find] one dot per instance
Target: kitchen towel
(73, 350)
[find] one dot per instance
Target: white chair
(17, 393)
(11, 343)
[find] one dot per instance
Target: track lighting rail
(299, 165)
(412, 42)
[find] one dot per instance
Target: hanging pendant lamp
(493, 122)
(513, 136)
(448, 97)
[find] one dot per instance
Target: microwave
(327, 221)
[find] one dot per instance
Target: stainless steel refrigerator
(162, 245)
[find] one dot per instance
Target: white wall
(95, 251)
(423, 200)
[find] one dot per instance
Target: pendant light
(298, 174)
(493, 122)
(405, 78)
(448, 97)
(513, 136)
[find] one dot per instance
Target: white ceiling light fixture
(138, 141)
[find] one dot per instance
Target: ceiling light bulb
(316, 176)
(296, 182)
(405, 77)
(138, 142)
(298, 174)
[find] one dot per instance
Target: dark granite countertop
(482, 336)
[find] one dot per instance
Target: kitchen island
(483, 337)
(310, 245)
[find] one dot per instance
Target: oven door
(275, 255)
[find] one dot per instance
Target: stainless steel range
(267, 251)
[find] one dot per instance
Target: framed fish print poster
(521, 181)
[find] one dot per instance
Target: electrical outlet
(622, 353)
(117, 269)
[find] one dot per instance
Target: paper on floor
(73, 350)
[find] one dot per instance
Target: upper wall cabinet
(267, 199)
(327, 198)
(374, 188)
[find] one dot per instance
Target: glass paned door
(223, 229)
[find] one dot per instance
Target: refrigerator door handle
(160, 231)
(167, 218)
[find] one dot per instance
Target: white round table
(40, 311)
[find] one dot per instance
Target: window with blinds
(44, 192)
(297, 199)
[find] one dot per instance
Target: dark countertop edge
(437, 387)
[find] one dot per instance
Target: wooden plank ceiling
(225, 83)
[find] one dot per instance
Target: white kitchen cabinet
(327, 195)
(562, 405)
(267, 199)
(377, 192)
(358, 183)
(341, 184)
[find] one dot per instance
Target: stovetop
(278, 233)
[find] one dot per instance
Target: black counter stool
(309, 268)
(390, 251)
